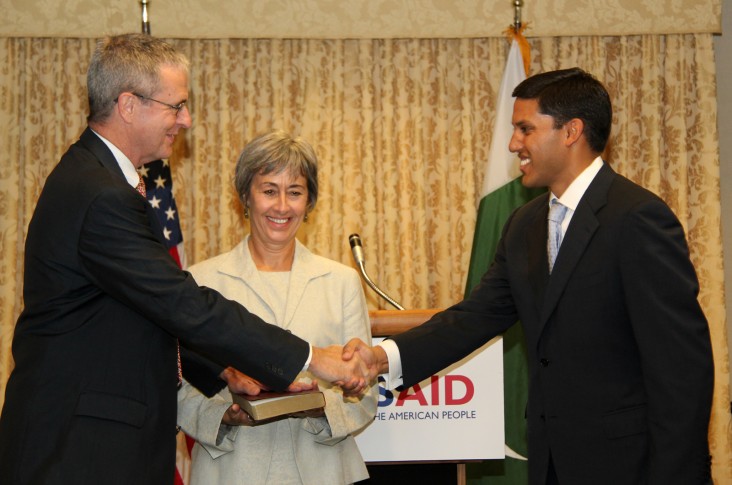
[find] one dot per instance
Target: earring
(246, 212)
(305, 219)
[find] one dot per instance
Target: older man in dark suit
(598, 273)
(92, 398)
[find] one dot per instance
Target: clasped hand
(352, 367)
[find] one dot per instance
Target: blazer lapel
(304, 269)
(231, 265)
(582, 227)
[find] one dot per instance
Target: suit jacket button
(544, 362)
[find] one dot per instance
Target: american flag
(159, 188)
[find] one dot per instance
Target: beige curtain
(402, 129)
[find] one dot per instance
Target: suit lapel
(538, 263)
(582, 227)
(105, 156)
(95, 145)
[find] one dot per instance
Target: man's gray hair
(127, 63)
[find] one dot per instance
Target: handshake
(352, 367)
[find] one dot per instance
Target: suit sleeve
(457, 331)
(201, 372)
(123, 257)
(673, 338)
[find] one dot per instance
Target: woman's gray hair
(277, 152)
(127, 63)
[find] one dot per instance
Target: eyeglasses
(174, 107)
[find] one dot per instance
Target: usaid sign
(456, 415)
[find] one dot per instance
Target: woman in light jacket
(274, 276)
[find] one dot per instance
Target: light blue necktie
(557, 212)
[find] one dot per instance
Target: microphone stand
(145, 22)
(357, 249)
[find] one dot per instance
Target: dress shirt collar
(571, 197)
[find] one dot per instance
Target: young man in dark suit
(92, 397)
(620, 359)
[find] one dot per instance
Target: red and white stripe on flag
(184, 445)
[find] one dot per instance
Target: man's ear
(126, 106)
(573, 130)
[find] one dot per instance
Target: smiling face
(541, 148)
(277, 205)
(157, 125)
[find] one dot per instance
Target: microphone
(357, 249)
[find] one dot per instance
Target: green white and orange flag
(502, 193)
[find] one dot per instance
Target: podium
(390, 322)
(385, 323)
